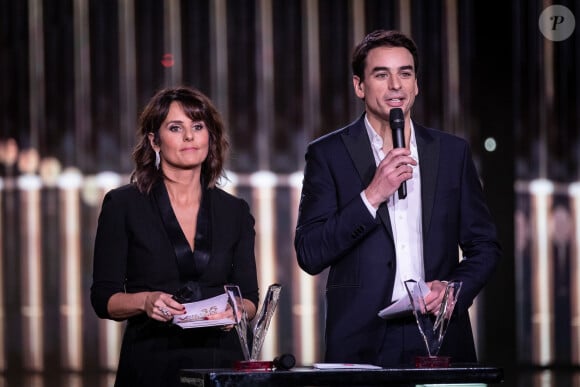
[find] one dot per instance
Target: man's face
(390, 82)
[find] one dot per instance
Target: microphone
(397, 122)
(284, 362)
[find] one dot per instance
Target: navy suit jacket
(335, 230)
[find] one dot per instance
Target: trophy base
(432, 361)
(253, 365)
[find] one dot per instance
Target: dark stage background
(74, 75)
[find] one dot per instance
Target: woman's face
(183, 143)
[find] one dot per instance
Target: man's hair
(381, 38)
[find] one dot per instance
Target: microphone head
(284, 362)
(396, 119)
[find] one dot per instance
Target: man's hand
(434, 299)
(391, 172)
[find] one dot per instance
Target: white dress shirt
(405, 218)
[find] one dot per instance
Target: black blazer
(335, 230)
(134, 252)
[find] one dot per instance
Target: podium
(308, 376)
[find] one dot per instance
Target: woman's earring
(157, 159)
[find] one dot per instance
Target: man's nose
(394, 82)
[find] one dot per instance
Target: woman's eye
(174, 128)
(198, 127)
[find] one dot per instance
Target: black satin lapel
(203, 233)
(358, 145)
(429, 150)
(191, 291)
(183, 253)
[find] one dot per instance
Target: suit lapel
(183, 253)
(428, 148)
(359, 147)
(357, 143)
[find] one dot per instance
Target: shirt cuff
(368, 205)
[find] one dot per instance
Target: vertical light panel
(110, 332)
(31, 273)
(305, 309)
(263, 197)
(71, 332)
(544, 378)
(218, 51)
(357, 21)
(34, 380)
(311, 65)
(541, 190)
(265, 82)
(9, 235)
(405, 17)
(82, 81)
(2, 296)
(74, 379)
(127, 77)
(36, 70)
(303, 295)
(574, 192)
(452, 69)
(546, 101)
(542, 274)
(172, 40)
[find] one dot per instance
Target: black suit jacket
(335, 230)
(135, 252)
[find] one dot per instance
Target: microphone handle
(398, 130)
(403, 190)
(399, 142)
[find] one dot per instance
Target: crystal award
(432, 326)
(259, 329)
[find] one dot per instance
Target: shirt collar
(377, 141)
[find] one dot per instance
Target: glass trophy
(432, 326)
(259, 329)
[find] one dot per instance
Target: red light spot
(167, 60)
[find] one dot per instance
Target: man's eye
(381, 75)
(406, 74)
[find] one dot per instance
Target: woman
(169, 232)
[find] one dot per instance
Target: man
(352, 220)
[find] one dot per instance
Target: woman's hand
(249, 307)
(228, 313)
(162, 307)
(157, 305)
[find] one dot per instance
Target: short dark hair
(381, 38)
(198, 107)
